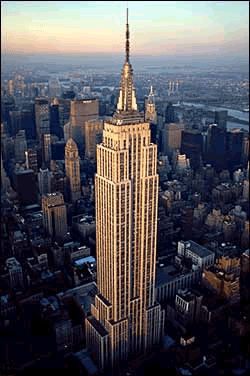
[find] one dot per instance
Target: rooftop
(169, 273)
(84, 260)
(198, 249)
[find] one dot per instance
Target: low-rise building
(199, 255)
(12, 273)
(172, 278)
(227, 285)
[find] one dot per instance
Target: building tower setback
(125, 316)
(72, 167)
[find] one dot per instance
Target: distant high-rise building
(151, 114)
(15, 121)
(25, 186)
(182, 163)
(42, 117)
(44, 181)
(216, 145)
(28, 122)
(170, 116)
(54, 88)
(125, 317)
(220, 118)
(192, 146)
(58, 150)
(54, 214)
(93, 135)
(245, 149)
(31, 160)
(172, 134)
(55, 123)
(20, 146)
(150, 110)
(11, 87)
(72, 167)
(81, 111)
(46, 148)
(234, 148)
(7, 105)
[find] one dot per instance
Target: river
(234, 113)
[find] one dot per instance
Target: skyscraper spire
(127, 39)
(127, 100)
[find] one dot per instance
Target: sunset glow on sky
(156, 27)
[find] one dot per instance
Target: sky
(157, 28)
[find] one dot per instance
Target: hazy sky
(156, 27)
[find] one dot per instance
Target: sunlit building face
(125, 317)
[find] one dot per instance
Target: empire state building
(125, 316)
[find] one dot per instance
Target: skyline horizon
(160, 29)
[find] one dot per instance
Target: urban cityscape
(124, 194)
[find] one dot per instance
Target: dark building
(15, 122)
(55, 127)
(23, 119)
(217, 147)
(170, 116)
(7, 105)
(187, 222)
(29, 122)
(192, 146)
(234, 148)
(220, 118)
(57, 150)
(25, 186)
(69, 94)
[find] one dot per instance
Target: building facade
(54, 214)
(81, 111)
(42, 117)
(125, 317)
(44, 181)
(172, 137)
(93, 135)
(72, 167)
(199, 255)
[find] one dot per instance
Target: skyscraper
(93, 135)
(72, 167)
(55, 126)
(220, 118)
(172, 134)
(125, 317)
(151, 114)
(46, 148)
(44, 181)
(54, 214)
(150, 111)
(81, 111)
(42, 117)
(31, 160)
(20, 146)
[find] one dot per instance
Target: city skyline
(124, 196)
(96, 28)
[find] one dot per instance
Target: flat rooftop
(198, 249)
(168, 274)
(82, 261)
